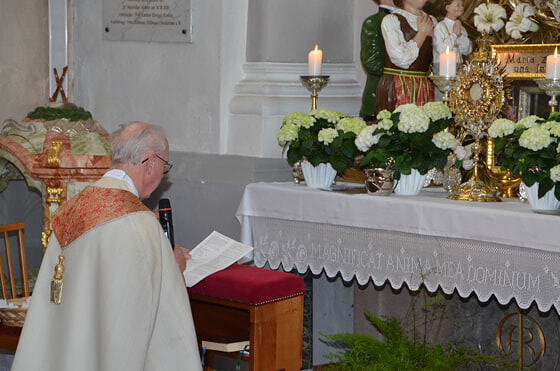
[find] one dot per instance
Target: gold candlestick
(314, 83)
(552, 88)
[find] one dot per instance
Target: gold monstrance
(476, 100)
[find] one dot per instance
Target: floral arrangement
(531, 150)
(320, 136)
(413, 136)
(529, 21)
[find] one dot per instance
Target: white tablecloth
(502, 249)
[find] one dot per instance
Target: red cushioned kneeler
(250, 285)
(258, 304)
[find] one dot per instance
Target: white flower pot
(321, 176)
(547, 202)
(410, 185)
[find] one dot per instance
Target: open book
(213, 254)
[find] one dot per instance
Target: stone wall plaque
(147, 20)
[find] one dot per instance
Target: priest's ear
(146, 158)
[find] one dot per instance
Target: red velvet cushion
(250, 285)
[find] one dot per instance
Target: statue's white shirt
(444, 37)
(402, 53)
(124, 304)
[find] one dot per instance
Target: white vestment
(124, 303)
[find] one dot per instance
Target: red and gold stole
(91, 207)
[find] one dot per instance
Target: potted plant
(323, 141)
(531, 151)
(414, 137)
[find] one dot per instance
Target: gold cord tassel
(56, 283)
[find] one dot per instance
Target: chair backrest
(4, 230)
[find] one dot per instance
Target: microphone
(166, 220)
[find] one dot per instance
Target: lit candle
(314, 61)
(447, 63)
(553, 66)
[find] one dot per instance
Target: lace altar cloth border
(453, 264)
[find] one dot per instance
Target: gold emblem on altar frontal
(520, 333)
(56, 282)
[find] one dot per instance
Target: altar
(501, 249)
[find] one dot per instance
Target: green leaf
(294, 155)
(499, 145)
(367, 158)
(544, 186)
(338, 162)
(348, 149)
(557, 190)
(384, 141)
(317, 156)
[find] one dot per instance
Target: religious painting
(545, 14)
(522, 64)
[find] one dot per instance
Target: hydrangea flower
(437, 111)
(489, 17)
(553, 127)
(445, 140)
(330, 116)
(299, 119)
(527, 122)
(468, 164)
(365, 140)
(535, 138)
(287, 133)
(520, 22)
(501, 127)
(385, 124)
(353, 124)
(413, 119)
(555, 173)
(383, 114)
(327, 135)
(460, 152)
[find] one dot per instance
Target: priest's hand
(182, 255)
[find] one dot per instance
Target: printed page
(215, 253)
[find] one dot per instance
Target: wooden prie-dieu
(261, 305)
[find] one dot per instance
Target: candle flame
(316, 47)
(556, 52)
(447, 50)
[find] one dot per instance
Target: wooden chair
(9, 335)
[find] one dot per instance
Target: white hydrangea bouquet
(413, 136)
(320, 136)
(530, 149)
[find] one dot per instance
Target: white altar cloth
(501, 249)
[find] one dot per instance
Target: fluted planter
(546, 203)
(410, 185)
(320, 176)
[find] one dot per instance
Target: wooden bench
(264, 306)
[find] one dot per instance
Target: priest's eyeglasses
(166, 164)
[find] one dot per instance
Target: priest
(110, 295)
